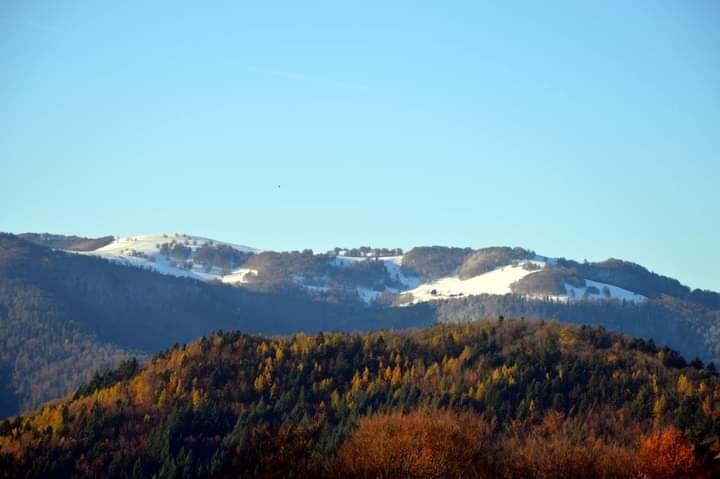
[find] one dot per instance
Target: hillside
(391, 276)
(486, 399)
(70, 243)
(62, 316)
(617, 294)
(688, 328)
(65, 314)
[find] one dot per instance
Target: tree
(667, 454)
(422, 445)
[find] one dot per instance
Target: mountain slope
(383, 275)
(76, 312)
(234, 405)
(687, 328)
(70, 243)
(44, 351)
(177, 255)
(58, 309)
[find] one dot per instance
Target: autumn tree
(441, 444)
(667, 454)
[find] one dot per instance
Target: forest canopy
(498, 398)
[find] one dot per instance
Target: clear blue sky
(580, 130)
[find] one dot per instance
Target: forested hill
(486, 399)
(64, 315)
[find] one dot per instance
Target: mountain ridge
(91, 312)
(408, 277)
(59, 308)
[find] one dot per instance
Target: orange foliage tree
(565, 447)
(422, 445)
(666, 454)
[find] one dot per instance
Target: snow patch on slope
(604, 292)
(239, 275)
(393, 265)
(497, 281)
(149, 244)
(144, 251)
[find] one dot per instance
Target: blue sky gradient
(586, 131)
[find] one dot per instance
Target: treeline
(507, 398)
(365, 251)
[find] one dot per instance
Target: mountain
(510, 398)
(389, 276)
(65, 313)
(653, 306)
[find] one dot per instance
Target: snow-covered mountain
(147, 251)
(367, 276)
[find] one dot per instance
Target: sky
(579, 129)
